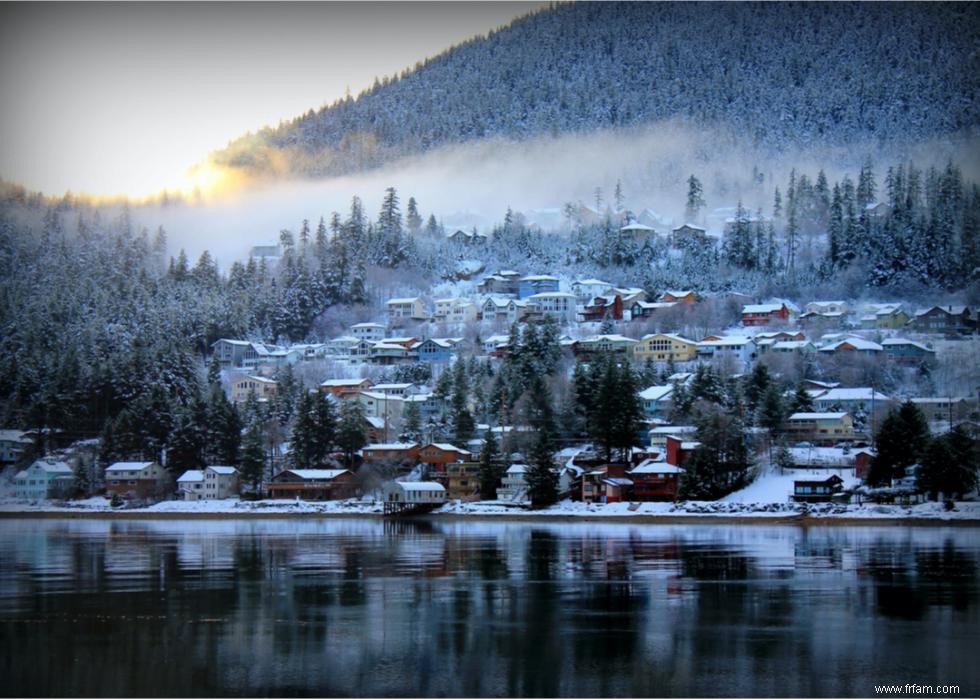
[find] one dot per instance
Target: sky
(123, 98)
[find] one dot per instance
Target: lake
(328, 607)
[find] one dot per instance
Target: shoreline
(646, 519)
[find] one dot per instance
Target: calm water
(358, 607)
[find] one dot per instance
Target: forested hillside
(783, 74)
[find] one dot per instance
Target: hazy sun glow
(123, 98)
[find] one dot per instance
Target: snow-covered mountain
(781, 74)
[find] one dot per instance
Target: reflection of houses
(820, 428)
(311, 484)
(817, 488)
(137, 479)
(44, 479)
(262, 388)
(655, 481)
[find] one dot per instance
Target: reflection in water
(430, 608)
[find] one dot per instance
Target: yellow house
(263, 388)
(664, 347)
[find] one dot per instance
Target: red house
(655, 481)
(679, 452)
(441, 454)
(395, 452)
(764, 314)
(311, 484)
(604, 308)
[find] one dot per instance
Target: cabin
(688, 232)
(638, 232)
(13, 444)
(657, 400)
(603, 308)
(537, 284)
(344, 388)
(856, 345)
(907, 351)
(765, 314)
(665, 347)
(415, 493)
(262, 388)
(44, 479)
(817, 488)
(604, 344)
(138, 479)
(655, 481)
(311, 484)
(462, 237)
(678, 296)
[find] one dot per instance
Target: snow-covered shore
(745, 512)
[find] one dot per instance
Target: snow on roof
(855, 342)
(410, 299)
(13, 436)
(552, 295)
(447, 447)
(690, 446)
(949, 310)
(902, 342)
(671, 336)
(421, 486)
(677, 292)
(689, 225)
(651, 466)
(617, 480)
(518, 468)
(637, 227)
(727, 341)
(391, 446)
(224, 470)
(192, 476)
(368, 325)
(791, 344)
(592, 282)
(317, 473)
(129, 465)
(391, 386)
(671, 430)
(260, 379)
(817, 416)
(51, 467)
(656, 392)
(344, 382)
(762, 308)
(851, 394)
(539, 278)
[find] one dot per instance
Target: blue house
(904, 350)
(437, 349)
(44, 479)
(536, 284)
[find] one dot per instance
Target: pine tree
(802, 401)
(412, 218)
(253, 457)
(695, 199)
(351, 434)
(412, 422)
(542, 480)
(491, 467)
(900, 441)
(771, 410)
(948, 465)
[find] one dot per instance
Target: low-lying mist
(475, 183)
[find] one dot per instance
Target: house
(492, 343)
(344, 388)
(388, 352)
(348, 348)
(396, 452)
(813, 457)
(877, 209)
(665, 347)
(311, 484)
(586, 289)
(856, 345)
(262, 388)
(788, 347)
(656, 400)
(820, 428)
(559, 305)
(138, 479)
(402, 309)
(44, 479)
(190, 485)
(13, 444)
(379, 404)
(536, 284)
(835, 307)
(765, 314)
(639, 232)
(513, 485)
(678, 296)
(688, 232)
(430, 406)
(815, 321)
(945, 320)
(639, 310)
(608, 483)
(739, 348)
(415, 493)
(657, 436)
(372, 332)
(883, 316)
(439, 455)
(466, 237)
(655, 481)
(678, 451)
(496, 308)
(501, 282)
(265, 250)
(438, 349)
(629, 294)
(220, 482)
(461, 480)
(907, 351)
(603, 308)
(239, 353)
(817, 488)
(853, 400)
(399, 390)
(945, 409)
(454, 310)
(606, 344)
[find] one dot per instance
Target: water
(330, 607)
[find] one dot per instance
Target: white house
(560, 305)
(513, 486)
(372, 332)
(13, 443)
(587, 289)
(738, 347)
(403, 309)
(190, 485)
(415, 492)
(220, 482)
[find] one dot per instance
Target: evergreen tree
(253, 457)
(542, 480)
(771, 410)
(224, 430)
(801, 402)
(351, 434)
(412, 422)
(720, 465)
(412, 218)
(900, 441)
(695, 199)
(491, 467)
(948, 465)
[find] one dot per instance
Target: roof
(129, 465)
(552, 295)
(592, 282)
(651, 466)
(855, 342)
(949, 310)
(317, 473)
(902, 342)
(344, 382)
(518, 468)
(192, 476)
(851, 394)
(390, 386)
(817, 416)
(656, 392)
(223, 470)
(539, 278)
(762, 308)
(410, 299)
(690, 446)
(637, 227)
(392, 446)
(674, 429)
(729, 341)
(51, 467)
(447, 447)
(689, 225)
(261, 379)
(670, 336)
(616, 480)
(422, 486)
(368, 325)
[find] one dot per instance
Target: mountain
(782, 74)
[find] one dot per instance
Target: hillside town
(447, 399)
